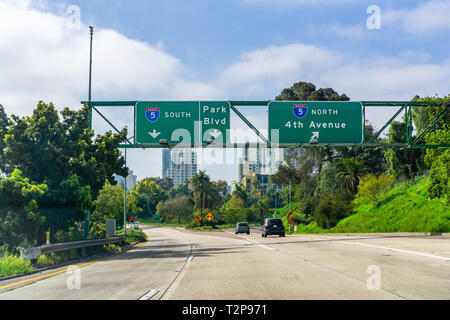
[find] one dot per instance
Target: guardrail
(34, 253)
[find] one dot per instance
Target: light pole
(125, 199)
(275, 202)
(290, 193)
(90, 79)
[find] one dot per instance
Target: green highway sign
(182, 122)
(292, 122)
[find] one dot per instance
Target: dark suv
(273, 226)
(242, 227)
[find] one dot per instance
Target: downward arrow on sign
(154, 134)
(215, 133)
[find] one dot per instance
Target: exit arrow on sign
(215, 133)
(154, 134)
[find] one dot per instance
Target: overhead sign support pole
(321, 137)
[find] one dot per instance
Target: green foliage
(3, 131)
(109, 204)
(439, 162)
(372, 188)
(62, 152)
(207, 194)
(302, 91)
(332, 208)
(424, 116)
(20, 218)
(402, 163)
(234, 211)
(312, 227)
(239, 192)
(133, 236)
(180, 207)
(148, 194)
(11, 265)
(373, 158)
(349, 171)
(328, 182)
(165, 184)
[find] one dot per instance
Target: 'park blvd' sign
(184, 122)
(315, 122)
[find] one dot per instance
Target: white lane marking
(189, 259)
(149, 295)
(256, 243)
(398, 250)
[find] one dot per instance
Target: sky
(219, 50)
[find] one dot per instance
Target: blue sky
(209, 33)
(205, 49)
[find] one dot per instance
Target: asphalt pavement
(189, 265)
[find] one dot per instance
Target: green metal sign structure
(191, 121)
(292, 124)
(316, 122)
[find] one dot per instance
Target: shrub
(371, 188)
(331, 209)
(11, 265)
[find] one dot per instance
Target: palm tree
(240, 192)
(200, 183)
(350, 170)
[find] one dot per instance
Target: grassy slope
(404, 209)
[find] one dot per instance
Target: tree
(234, 211)
(110, 204)
(239, 192)
(181, 207)
(148, 194)
(329, 182)
(439, 162)
(303, 91)
(3, 131)
(402, 163)
(200, 183)
(165, 184)
(372, 157)
(371, 188)
(423, 116)
(350, 171)
(65, 155)
(182, 189)
(332, 208)
(20, 219)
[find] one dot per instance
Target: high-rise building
(131, 180)
(179, 165)
(259, 160)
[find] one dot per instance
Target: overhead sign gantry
(307, 124)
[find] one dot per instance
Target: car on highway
(273, 226)
(242, 227)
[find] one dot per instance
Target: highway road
(188, 265)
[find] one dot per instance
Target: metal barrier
(34, 253)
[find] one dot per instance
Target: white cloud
(295, 2)
(41, 59)
(265, 71)
(355, 32)
(427, 17)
